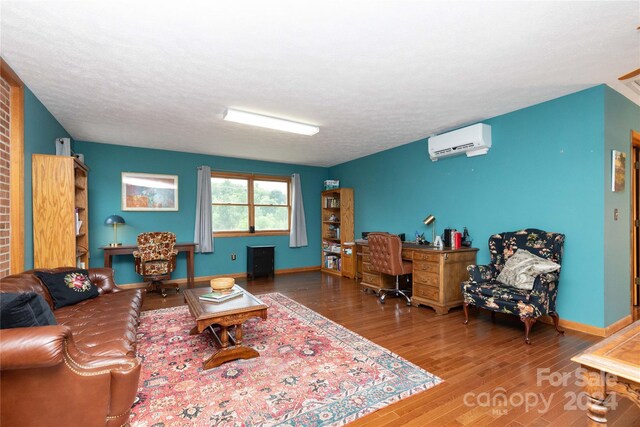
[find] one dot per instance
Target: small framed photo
(618, 160)
(149, 192)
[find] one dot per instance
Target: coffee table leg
(227, 353)
(224, 338)
(238, 335)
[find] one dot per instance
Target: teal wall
(545, 170)
(107, 162)
(550, 168)
(40, 132)
(621, 116)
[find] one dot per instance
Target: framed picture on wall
(149, 192)
(618, 159)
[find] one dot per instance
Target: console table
(189, 248)
(437, 273)
(611, 366)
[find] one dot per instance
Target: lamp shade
(114, 219)
(428, 220)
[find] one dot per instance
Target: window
(245, 204)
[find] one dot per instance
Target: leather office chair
(385, 251)
(156, 259)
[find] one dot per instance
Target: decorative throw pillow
(23, 310)
(68, 287)
(521, 269)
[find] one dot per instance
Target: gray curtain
(298, 234)
(202, 235)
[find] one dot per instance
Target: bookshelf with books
(60, 212)
(337, 229)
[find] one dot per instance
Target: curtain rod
(245, 173)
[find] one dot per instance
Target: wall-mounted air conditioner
(473, 140)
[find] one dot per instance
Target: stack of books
(217, 296)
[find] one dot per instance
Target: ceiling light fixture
(253, 119)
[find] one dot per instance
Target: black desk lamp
(115, 220)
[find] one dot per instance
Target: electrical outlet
(233, 257)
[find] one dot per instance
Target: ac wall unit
(474, 140)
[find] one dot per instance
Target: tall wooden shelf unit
(59, 192)
(337, 229)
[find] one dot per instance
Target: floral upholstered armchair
(155, 259)
(541, 266)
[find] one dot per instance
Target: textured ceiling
(372, 74)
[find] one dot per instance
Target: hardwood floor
(485, 361)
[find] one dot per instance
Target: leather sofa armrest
(35, 347)
(480, 273)
(38, 361)
(103, 279)
(46, 346)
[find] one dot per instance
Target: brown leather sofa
(81, 372)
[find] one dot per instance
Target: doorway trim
(635, 251)
(16, 178)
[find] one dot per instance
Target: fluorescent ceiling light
(269, 122)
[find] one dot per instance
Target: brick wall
(5, 225)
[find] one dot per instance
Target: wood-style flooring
(481, 363)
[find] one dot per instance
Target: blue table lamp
(115, 220)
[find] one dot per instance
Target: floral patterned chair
(485, 291)
(155, 259)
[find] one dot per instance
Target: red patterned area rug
(311, 372)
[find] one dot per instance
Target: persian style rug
(311, 372)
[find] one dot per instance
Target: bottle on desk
(456, 240)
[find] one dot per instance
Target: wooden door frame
(16, 189)
(635, 144)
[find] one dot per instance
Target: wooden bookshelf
(59, 199)
(337, 229)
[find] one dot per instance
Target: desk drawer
(372, 279)
(426, 256)
(432, 267)
(367, 267)
(366, 258)
(427, 292)
(426, 278)
(407, 254)
(365, 249)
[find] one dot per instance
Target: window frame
(250, 177)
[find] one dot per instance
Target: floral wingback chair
(155, 259)
(485, 291)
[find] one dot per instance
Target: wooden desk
(437, 274)
(189, 248)
(611, 366)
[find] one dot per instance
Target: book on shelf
(217, 296)
(78, 222)
(332, 262)
(330, 202)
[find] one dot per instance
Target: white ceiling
(372, 74)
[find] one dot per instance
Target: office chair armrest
(136, 254)
(480, 273)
